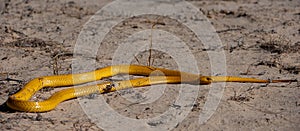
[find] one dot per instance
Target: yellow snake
(20, 101)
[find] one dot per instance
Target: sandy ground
(260, 37)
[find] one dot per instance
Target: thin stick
(137, 59)
(150, 46)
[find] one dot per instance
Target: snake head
(205, 80)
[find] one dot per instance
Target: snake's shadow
(5, 109)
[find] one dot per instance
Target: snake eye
(208, 79)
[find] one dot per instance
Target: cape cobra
(21, 100)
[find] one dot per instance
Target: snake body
(21, 100)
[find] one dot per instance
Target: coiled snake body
(20, 101)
